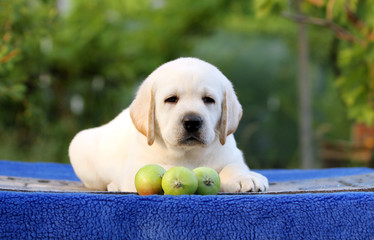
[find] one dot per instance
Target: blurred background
(303, 71)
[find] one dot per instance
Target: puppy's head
(187, 103)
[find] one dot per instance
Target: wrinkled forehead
(181, 76)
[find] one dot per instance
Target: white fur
(150, 131)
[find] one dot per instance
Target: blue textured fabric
(55, 171)
(106, 216)
(37, 215)
(60, 171)
(298, 174)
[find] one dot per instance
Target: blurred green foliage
(352, 23)
(63, 71)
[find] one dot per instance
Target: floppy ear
(142, 111)
(230, 115)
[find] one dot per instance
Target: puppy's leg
(82, 154)
(112, 187)
(238, 178)
(90, 177)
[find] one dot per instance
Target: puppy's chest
(188, 160)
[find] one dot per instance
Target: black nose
(192, 123)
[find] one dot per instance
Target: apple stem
(208, 181)
(177, 184)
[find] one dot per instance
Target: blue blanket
(37, 215)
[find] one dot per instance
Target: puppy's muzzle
(192, 123)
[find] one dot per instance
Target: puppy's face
(186, 103)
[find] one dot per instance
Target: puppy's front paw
(251, 182)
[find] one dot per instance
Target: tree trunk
(305, 112)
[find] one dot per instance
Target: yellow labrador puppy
(184, 114)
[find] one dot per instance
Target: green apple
(178, 181)
(148, 179)
(208, 181)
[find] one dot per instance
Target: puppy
(184, 114)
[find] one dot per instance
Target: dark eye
(173, 99)
(208, 100)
